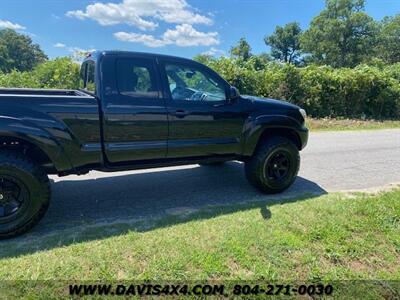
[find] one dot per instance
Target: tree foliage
(60, 73)
(17, 51)
(285, 42)
(342, 35)
(388, 48)
(241, 50)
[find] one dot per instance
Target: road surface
(340, 161)
(332, 161)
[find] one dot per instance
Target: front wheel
(24, 194)
(274, 165)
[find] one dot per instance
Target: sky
(177, 27)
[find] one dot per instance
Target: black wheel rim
(277, 166)
(12, 195)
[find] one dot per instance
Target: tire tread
(254, 165)
(19, 161)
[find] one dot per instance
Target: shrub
(18, 79)
(58, 73)
(362, 92)
(61, 73)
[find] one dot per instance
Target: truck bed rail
(41, 92)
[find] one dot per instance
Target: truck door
(135, 122)
(202, 122)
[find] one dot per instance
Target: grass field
(328, 124)
(330, 237)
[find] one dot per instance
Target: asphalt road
(332, 161)
(340, 161)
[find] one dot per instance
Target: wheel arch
(28, 149)
(266, 127)
(288, 133)
(34, 142)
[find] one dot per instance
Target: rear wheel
(24, 194)
(274, 165)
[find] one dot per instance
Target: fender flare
(256, 126)
(17, 128)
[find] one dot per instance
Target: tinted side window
(90, 77)
(82, 77)
(193, 84)
(136, 78)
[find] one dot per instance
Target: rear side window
(87, 77)
(90, 80)
(82, 77)
(136, 78)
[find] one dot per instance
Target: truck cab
(174, 109)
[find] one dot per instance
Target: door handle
(181, 113)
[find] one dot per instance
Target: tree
(203, 58)
(18, 52)
(260, 61)
(4, 60)
(388, 48)
(285, 42)
(342, 35)
(241, 50)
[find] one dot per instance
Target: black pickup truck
(136, 111)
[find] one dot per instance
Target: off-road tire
(256, 167)
(33, 182)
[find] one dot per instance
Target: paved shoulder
(353, 159)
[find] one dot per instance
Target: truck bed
(41, 92)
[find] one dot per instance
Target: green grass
(330, 237)
(329, 124)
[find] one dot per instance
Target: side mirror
(233, 93)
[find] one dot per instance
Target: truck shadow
(84, 209)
